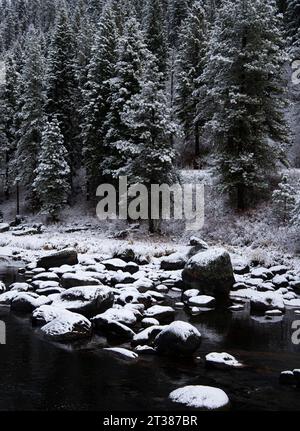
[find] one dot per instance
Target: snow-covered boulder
(119, 264)
(86, 300)
(280, 281)
(222, 361)
(122, 315)
(45, 314)
(198, 242)
(279, 269)
(200, 398)
(147, 322)
(132, 295)
(77, 279)
(2, 287)
(67, 256)
(287, 378)
(120, 330)
(211, 272)
(123, 354)
(202, 301)
(68, 326)
(295, 285)
(39, 284)
(174, 261)
(178, 338)
(26, 302)
(261, 272)
(46, 276)
(161, 313)
(261, 302)
(190, 294)
(7, 297)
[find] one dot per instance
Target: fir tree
(52, 173)
(31, 117)
(119, 140)
(190, 65)
(97, 96)
(62, 86)
(284, 200)
(244, 96)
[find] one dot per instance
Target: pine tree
(293, 19)
(31, 117)
(97, 96)
(52, 173)
(244, 96)
(190, 65)
(62, 86)
(149, 119)
(119, 142)
(284, 200)
(176, 13)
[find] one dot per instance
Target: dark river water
(38, 375)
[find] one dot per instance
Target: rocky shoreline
(124, 298)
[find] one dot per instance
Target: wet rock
(161, 313)
(63, 257)
(86, 300)
(178, 338)
(145, 350)
(120, 330)
(28, 301)
(203, 398)
(147, 335)
(68, 326)
(123, 354)
(211, 272)
(222, 361)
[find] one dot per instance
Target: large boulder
(211, 272)
(68, 326)
(120, 315)
(67, 256)
(69, 280)
(178, 338)
(45, 314)
(162, 313)
(261, 302)
(86, 300)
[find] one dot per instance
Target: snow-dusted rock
(119, 264)
(45, 314)
(178, 338)
(63, 257)
(86, 300)
(145, 350)
(147, 336)
(201, 398)
(263, 273)
(295, 285)
(237, 307)
(293, 302)
(46, 276)
(60, 270)
(202, 301)
(132, 295)
(161, 313)
(121, 353)
(147, 322)
(50, 291)
(190, 294)
(287, 378)
(120, 330)
(161, 288)
(265, 301)
(77, 279)
(222, 361)
(28, 301)
(198, 242)
(39, 284)
(121, 315)
(211, 272)
(4, 227)
(68, 326)
(280, 281)
(279, 269)
(7, 297)
(274, 313)
(174, 261)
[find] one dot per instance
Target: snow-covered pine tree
(193, 40)
(293, 19)
(52, 173)
(155, 32)
(62, 86)
(31, 116)
(9, 119)
(97, 96)
(119, 140)
(284, 200)
(176, 12)
(149, 118)
(244, 94)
